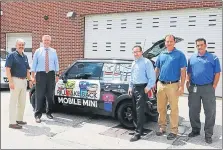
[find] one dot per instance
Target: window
(108, 70)
(95, 25)
(116, 72)
(85, 70)
(122, 72)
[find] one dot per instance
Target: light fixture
(71, 14)
(1, 12)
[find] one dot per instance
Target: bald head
(170, 36)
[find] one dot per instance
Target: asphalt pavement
(87, 131)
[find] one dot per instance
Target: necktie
(47, 61)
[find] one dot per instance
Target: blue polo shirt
(170, 64)
(18, 64)
(203, 68)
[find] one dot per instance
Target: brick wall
(68, 35)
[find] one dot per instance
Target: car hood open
(157, 48)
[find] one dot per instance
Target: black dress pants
(45, 85)
(139, 102)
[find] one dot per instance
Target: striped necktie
(47, 61)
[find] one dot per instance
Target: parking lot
(78, 131)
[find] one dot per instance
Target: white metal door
(114, 35)
(11, 43)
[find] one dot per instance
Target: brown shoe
(15, 126)
(38, 120)
(160, 132)
(21, 122)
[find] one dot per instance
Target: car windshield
(87, 69)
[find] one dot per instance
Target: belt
(23, 78)
(201, 85)
(45, 71)
(168, 82)
(142, 84)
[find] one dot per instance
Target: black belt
(143, 84)
(168, 82)
(45, 71)
(201, 85)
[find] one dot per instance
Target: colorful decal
(83, 88)
(69, 87)
(108, 97)
(79, 89)
(108, 106)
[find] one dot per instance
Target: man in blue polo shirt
(171, 70)
(17, 70)
(203, 74)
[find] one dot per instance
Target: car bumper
(4, 85)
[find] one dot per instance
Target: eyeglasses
(136, 52)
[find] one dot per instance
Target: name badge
(195, 89)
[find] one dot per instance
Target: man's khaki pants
(17, 100)
(168, 93)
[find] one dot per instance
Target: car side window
(108, 71)
(116, 72)
(85, 70)
(122, 72)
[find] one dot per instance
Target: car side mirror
(64, 78)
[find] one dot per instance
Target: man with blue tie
(45, 70)
(143, 78)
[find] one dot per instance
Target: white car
(4, 79)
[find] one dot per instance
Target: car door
(114, 83)
(80, 85)
(157, 48)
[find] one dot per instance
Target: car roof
(107, 60)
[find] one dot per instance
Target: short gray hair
(20, 40)
(46, 36)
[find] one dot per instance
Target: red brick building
(68, 35)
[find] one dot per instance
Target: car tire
(32, 101)
(123, 111)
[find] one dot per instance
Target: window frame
(90, 78)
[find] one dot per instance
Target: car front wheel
(124, 114)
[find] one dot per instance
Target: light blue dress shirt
(142, 72)
(39, 60)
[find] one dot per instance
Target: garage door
(114, 35)
(11, 43)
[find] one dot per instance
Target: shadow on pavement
(30, 130)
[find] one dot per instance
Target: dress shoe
(160, 132)
(49, 116)
(15, 126)
(208, 140)
(38, 120)
(135, 137)
(193, 134)
(21, 122)
(171, 136)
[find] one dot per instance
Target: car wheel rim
(127, 114)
